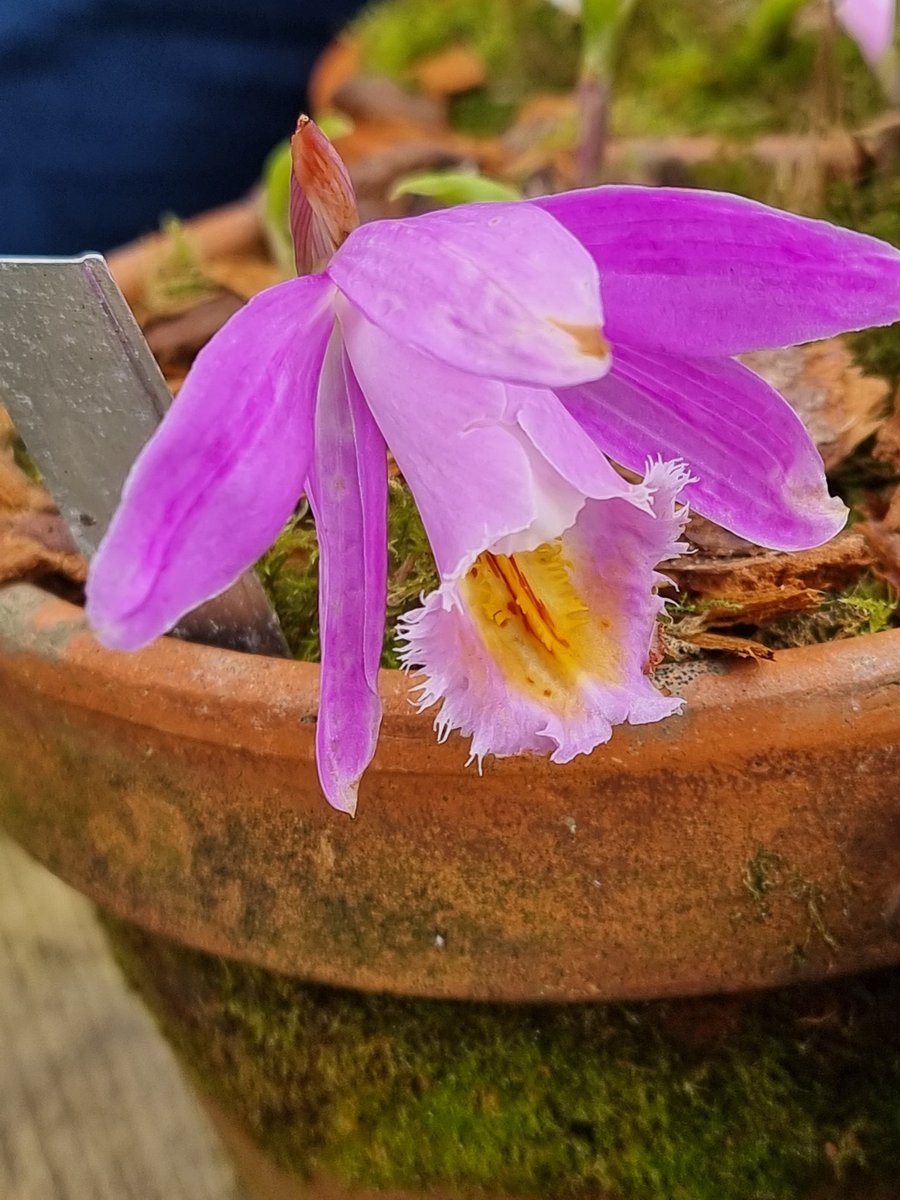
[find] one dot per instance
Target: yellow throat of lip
(533, 622)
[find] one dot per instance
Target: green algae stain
(771, 881)
(709, 1100)
(760, 874)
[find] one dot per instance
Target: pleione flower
(870, 23)
(472, 342)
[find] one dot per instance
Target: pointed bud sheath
(323, 207)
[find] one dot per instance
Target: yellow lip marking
(533, 622)
(524, 604)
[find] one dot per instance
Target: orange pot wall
(752, 842)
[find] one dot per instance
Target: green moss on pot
(727, 1099)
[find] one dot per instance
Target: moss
(732, 68)
(289, 574)
(766, 873)
(178, 281)
(708, 1100)
(869, 607)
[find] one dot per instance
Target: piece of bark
(335, 67)
(34, 540)
(450, 72)
(887, 443)
(37, 546)
(244, 275)
(372, 99)
(885, 546)
(758, 609)
(883, 538)
(742, 579)
(176, 340)
(727, 644)
(23, 558)
(46, 529)
(712, 541)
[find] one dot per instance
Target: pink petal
(499, 290)
(489, 465)
(502, 687)
(214, 486)
(704, 273)
(348, 493)
(758, 471)
(870, 23)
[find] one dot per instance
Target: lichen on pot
(708, 1100)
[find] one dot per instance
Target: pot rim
(42, 627)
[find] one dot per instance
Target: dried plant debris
(699, 615)
(405, 78)
(738, 599)
(242, 275)
(883, 538)
(839, 405)
(34, 541)
(887, 441)
(177, 338)
(724, 643)
(743, 578)
(870, 607)
(449, 72)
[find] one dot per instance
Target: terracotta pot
(751, 842)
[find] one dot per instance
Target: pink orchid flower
(469, 342)
(870, 23)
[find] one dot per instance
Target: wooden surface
(92, 1103)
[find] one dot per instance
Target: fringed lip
(546, 651)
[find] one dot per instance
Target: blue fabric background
(113, 112)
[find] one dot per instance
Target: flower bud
(323, 207)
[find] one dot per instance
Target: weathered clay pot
(751, 842)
